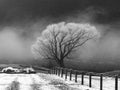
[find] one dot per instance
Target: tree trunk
(61, 64)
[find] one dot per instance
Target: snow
(72, 84)
(108, 82)
(25, 81)
(49, 87)
(5, 80)
(52, 82)
(38, 80)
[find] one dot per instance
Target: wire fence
(80, 76)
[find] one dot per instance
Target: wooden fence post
(56, 71)
(62, 70)
(82, 79)
(90, 80)
(101, 82)
(66, 74)
(48, 71)
(76, 76)
(70, 75)
(52, 71)
(116, 82)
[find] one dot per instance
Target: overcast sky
(20, 10)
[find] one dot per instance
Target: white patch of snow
(25, 81)
(6, 80)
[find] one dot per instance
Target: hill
(112, 73)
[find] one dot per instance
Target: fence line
(61, 71)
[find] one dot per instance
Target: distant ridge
(112, 73)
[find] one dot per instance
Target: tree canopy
(59, 41)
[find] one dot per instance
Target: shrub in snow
(29, 70)
(14, 85)
(10, 70)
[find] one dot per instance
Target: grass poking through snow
(57, 82)
(14, 86)
(35, 87)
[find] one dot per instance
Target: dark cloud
(20, 10)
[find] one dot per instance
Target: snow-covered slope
(38, 81)
(42, 81)
(108, 82)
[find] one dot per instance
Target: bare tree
(60, 40)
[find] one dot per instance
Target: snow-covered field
(37, 81)
(42, 81)
(108, 82)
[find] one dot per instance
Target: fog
(16, 41)
(21, 22)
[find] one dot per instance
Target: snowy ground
(36, 82)
(108, 82)
(42, 81)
